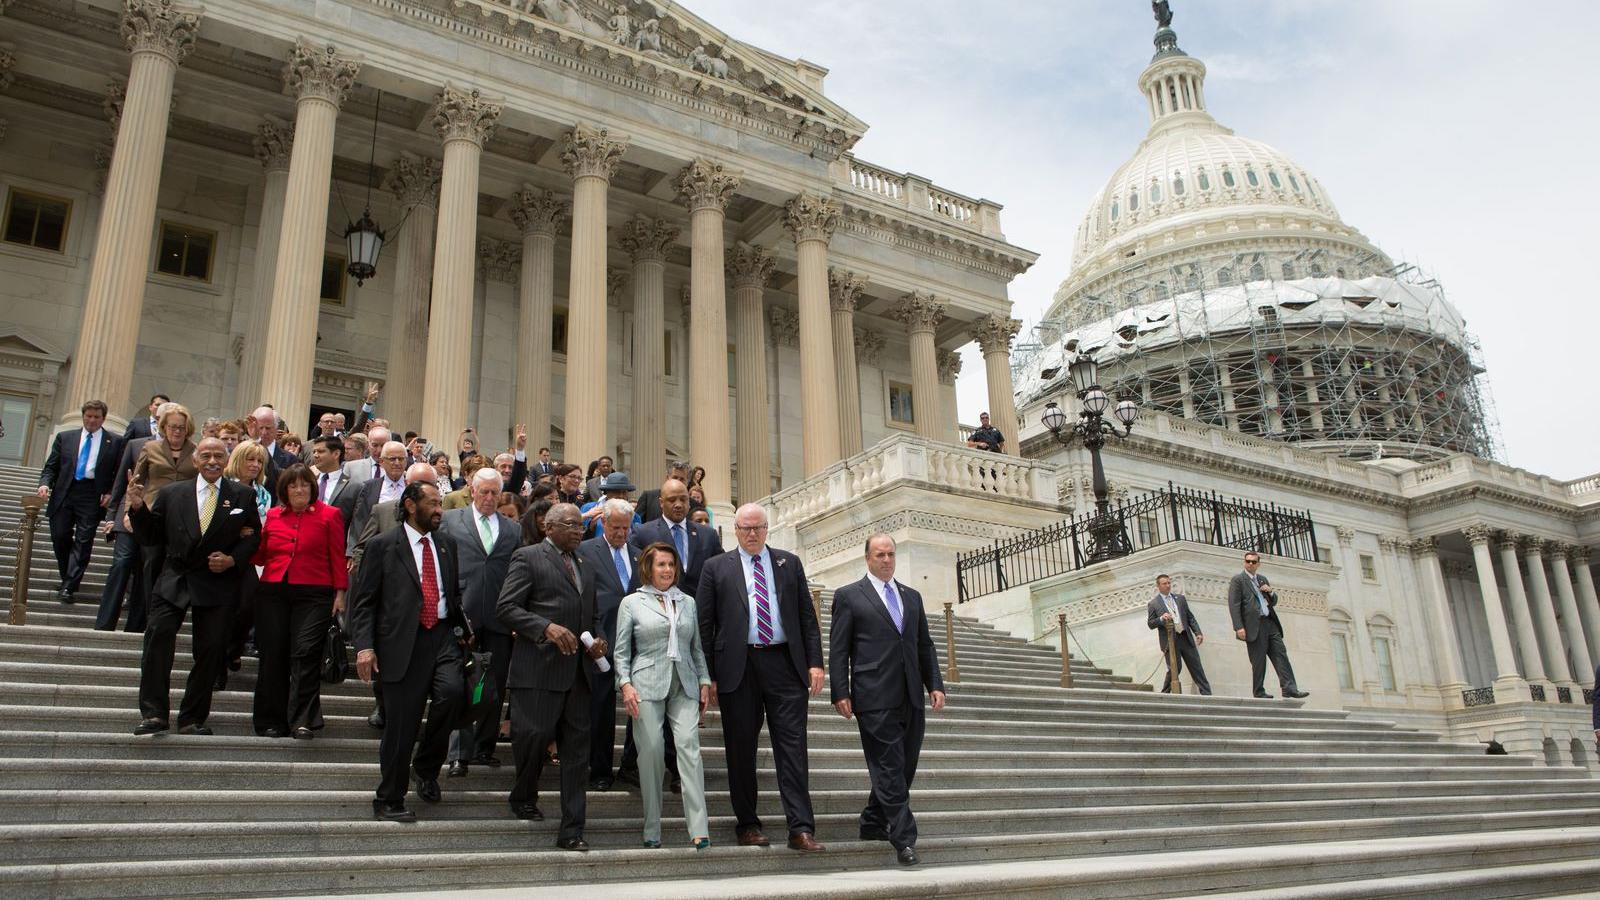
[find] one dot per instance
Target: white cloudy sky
(1457, 135)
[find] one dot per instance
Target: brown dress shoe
(752, 837)
(805, 843)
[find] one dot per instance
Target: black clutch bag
(335, 656)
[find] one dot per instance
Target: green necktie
(488, 537)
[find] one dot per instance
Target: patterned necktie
(682, 542)
(83, 457)
(893, 602)
(763, 604)
(572, 571)
(1172, 607)
(483, 531)
(430, 586)
(622, 566)
(208, 506)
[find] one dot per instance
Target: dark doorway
(318, 409)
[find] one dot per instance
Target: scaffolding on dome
(1285, 347)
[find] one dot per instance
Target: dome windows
(1288, 267)
(1225, 276)
(1272, 177)
(1133, 201)
(1177, 185)
(1204, 180)
(1227, 178)
(1251, 178)
(1155, 193)
(1114, 210)
(1294, 183)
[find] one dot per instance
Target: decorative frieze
(784, 327)
(273, 142)
(319, 73)
(704, 184)
(414, 180)
(159, 26)
(844, 289)
(920, 311)
(539, 212)
(949, 366)
(645, 238)
(809, 217)
(464, 116)
(748, 265)
(994, 333)
(591, 152)
(869, 344)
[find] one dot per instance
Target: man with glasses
(1253, 604)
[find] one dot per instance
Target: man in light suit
(408, 629)
(548, 602)
(764, 650)
(613, 562)
(882, 659)
(485, 543)
(145, 426)
(209, 528)
(1174, 608)
(1252, 603)
(77, 479)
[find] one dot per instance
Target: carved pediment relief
(16, 342)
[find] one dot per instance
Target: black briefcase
(335, 656)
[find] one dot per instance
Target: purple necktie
(763, 604)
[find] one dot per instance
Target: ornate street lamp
(1107, 537)
(363, 238)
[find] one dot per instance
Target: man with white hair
(265, 420)
(614, 564)
(386, 488)
(485, 541)
(377, 436)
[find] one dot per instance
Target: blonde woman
(662, 674)
(248, 466)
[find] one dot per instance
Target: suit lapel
(77, 450)
(871, 594)
(403, 548)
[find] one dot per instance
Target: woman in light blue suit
(661, 673)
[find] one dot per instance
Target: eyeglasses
(1252, 562)
(750, 529)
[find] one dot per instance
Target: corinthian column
(273, 142)
(1588, 602)
(159, 35)
(646, 240)
(922, 314)
(463, 121)
(844, 289)
(1521, 619)
(811, 221)
(1571, 622)
(320, 81)
(994, 334)
(704, 187)
(949, 367)
(1436, 602)
(591, 156)
(1505, 663)
(750, 267)
(538, 214)
(1544, 611)
(415, 183)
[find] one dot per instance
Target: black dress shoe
(907, 856)
(273, 733)
(194, 728)
(150, 726)
(1263, 695)
(302, 733)
(487, 759)
(576, 844)
(1297, 695)
(235, 664)
(221, 684)
(628, 776)
(376, 719)
(600, 784)
(65, 595)
(529, 812)
(458, 769)
(427, 788)
(382, 810)
(874, 834)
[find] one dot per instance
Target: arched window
(1250, 176)
(1162, 291)
(1294, 183)
(1191, 281)
(1343, 665)
(1177, 185)
(1114, 210)
(1133, 201)
(1288, 271)
(1272, 176)
(1155, 193)
(1258, 272)
(1227, 178)
(1204, 179)
(1317, 271)
(1383, 643)
(1225, 276)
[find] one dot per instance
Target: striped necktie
(208, 507)
(763, 603)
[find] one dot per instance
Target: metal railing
(1161, 517)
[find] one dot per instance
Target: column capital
(869, 344)
(646, 239)
(1425, 547)
(920, 311)
(704, 184)
(1579, 554)
(1345, 534)
(1478, 534)
(159, 26)
(1390, 543)
(8, 61)
(1531, 545)
(319, 73)
(785, 326)
(809, 217)
(464, 116)
(1507, 539)
(414, 180)
(273, 142)
(949, 362)
(539, 212)
(748, 265)
(994, 333)
(844, 289)
(499, 260)
(1557, 551)
(592, 152)
(111, 104)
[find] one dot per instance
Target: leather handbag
(482, 698)
(335, 656)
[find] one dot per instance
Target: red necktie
(430, 586)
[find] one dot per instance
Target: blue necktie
(1260, 597)
(83, 456)
(893, 602)
(682, 541)
(622, 567)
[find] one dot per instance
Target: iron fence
(1160, 517)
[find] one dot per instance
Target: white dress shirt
(747, 561)
(332, 479)
(1172, 607)
(900, 595)
(200, 487)
(493, 520)
(390, 490)
(90, 444)
(415, 537)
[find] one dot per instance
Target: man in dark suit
(408, 629)
(1252, 603)
(548, 602)
(882, 659)
(209, 528)
(650, 501)
(485, 543)
(613, 562)
(544, 465)
(77, 479)
(334, 485)
(764, 650)
(386, 488)
(145, 426)
(126, 576)
(267, 424)
(1174, 608)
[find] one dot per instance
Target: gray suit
(1263, 634)
(1188, 648)
(481, 575)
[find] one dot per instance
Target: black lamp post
(363, 238)
(1107, 538)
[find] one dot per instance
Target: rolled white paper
(588, 641)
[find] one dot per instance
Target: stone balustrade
(867, 177)
(915, 193)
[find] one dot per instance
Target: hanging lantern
(364, 239)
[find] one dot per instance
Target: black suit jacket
(172, 519)
(609, 589)
(871, 663)
(387, 608)
(724, 607)
(119, 488)
(649, 507)
(482, 574)
(343, 498)
(1242, 606)
(62, 465)
(1156, 609)
(366, 498)
(537, 592)
(138, 427)
(704, 544)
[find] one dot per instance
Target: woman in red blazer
(303, 580)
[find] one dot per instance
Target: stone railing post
(1172, 659)
(952, 674)
(31, 504)
(1066, 657)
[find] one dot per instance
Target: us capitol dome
(1213, 279)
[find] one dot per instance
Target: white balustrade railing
(874, 180)
(912, 192)
(1582, 486)
(951, 206)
